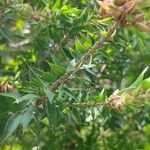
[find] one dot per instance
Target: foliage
(56, 95)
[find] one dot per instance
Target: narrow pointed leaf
(11, 95)
(12, 123)
(27, 117)
(50, 95)
(139, 80)
(69, 92)
(29, 97)
(56, 4)
(79, 46)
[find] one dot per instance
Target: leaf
(11, 95)
(79, 97)
(45, 75)
(55, 59)
(50, 95)
(36, 75)
(69, 92)
(146, 83)
(56, 68)
(12, 123)
(84, 15)
(91, 72)
(27, 115)
(123, 83)
(56, 5)
(105, 20)
(8, 35)
(2, 53)
(139, 80)
(27, 97)
(72, 118)
(78, 46)
(71, 66)
(102, 95)
(87, 43)
(53, 115)
(88, 66)
(76, 29)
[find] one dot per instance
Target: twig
(84, 58)
(86, 104)
(78, 65)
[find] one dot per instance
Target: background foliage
(39, 40)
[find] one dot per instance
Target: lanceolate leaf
(87, 43)
(69, 92)
(28, 97)
(71, 66)
(56, 68)
(6, 34)
(12, 123)
(139, 79)
(11, 95)
(102, 95)
(50, 95)
(54, 115)
(79, 46)
(23, 118)
(27, 115)
(56, 5)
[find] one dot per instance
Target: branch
(85, 57)
(87, 104)
(78, 65)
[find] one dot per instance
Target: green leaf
(146, 83)
(69, 92)
(87, 43)
(27, 115)
(11, 95)
(36, 75)
(55, 59)
(6, 34)
(45, 75)
(78, 46)
(123, 83)
(56, 68)
(139, 80)
(105, 21)
(104, 33)
(27, 97)
(53, 115)
(84, 15)
(50, 95)
(79, 97)
(56, 5)
(71, 66)
(88, 66)
(12, 123)
(76, 29)
(102, 94)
